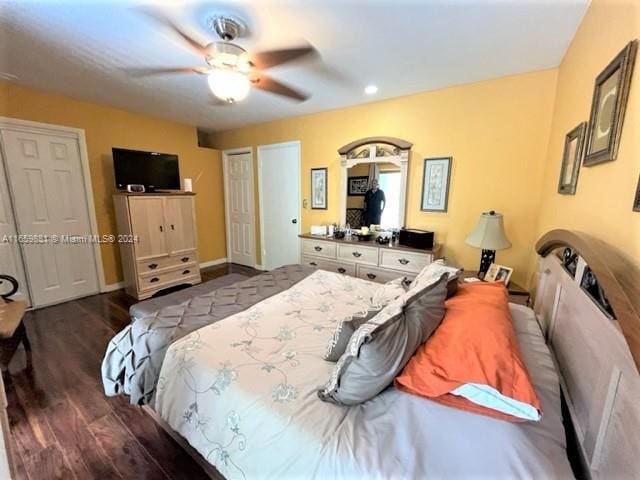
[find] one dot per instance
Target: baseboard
(112, 287)
(258, 267)
(212, 263)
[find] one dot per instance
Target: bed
(241, 393)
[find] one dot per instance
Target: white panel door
(45, 175)
(239, 195)
(10, 257)
(279, 167)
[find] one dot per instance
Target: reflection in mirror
(373, 195)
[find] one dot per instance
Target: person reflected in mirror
(374, 203)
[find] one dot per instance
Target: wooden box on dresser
(164, 250)
(364, 259)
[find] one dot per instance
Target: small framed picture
(498, 273)
(358, 186)
(319, 188)
(636, 200)
(435, 184)
(571, 159)
(608, 106)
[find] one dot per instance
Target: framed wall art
(319, 188)
(608, 107)
(636, 199)
(571, 159)
(435, 184)
(358, 186)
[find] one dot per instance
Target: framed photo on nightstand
(497, 273)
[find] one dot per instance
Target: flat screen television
(154, 170)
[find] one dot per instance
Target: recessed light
(370, 89)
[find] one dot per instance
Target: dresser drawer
(330, 266)
(318, 248)
(159, 280)
(406, 261)
(168, 262)
(357, 253)
(381, 276)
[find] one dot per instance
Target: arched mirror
(373, 182)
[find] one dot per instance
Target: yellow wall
(496, 131)
(107, 127)
(505, 136)
(603, 201)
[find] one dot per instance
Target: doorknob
(295, 220)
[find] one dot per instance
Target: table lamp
(489, 236)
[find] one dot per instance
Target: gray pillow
(381, 347)
(338, 343)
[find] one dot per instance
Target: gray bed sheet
(134, 356)
(152, 305)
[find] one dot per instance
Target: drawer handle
(371, 275)
(356, 254)
(341, 270)
(186, 272)
(313, 264)
(185, 259)
(403, 261)
(317, 248)
(153, 266)
(154, 280)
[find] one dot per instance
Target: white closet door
(45, 174)
(279, 167)
(240, 209)
(10, 259)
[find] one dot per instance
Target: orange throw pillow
(473, 361)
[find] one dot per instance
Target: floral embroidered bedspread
(134, 356)
(235, 386)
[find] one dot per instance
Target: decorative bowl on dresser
(164, 250)
(364, 259)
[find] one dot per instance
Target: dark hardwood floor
(62, 424)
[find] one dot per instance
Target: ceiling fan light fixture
(371, 89)
(229, 85)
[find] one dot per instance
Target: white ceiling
(80, 48)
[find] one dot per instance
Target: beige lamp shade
(489, 233)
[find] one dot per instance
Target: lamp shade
(489, 233)
(229, 85)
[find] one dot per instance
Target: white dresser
(368, 260)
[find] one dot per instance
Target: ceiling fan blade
(149, 72)
(164, 20)
(271, 58)
(268, 84)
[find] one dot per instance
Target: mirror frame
(401, 160)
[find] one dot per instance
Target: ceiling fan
(231, 71)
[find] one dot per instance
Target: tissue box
(318, 229)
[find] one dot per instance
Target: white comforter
(243, 392)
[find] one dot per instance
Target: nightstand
(517, 294)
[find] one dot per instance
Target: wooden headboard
(588, 305)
